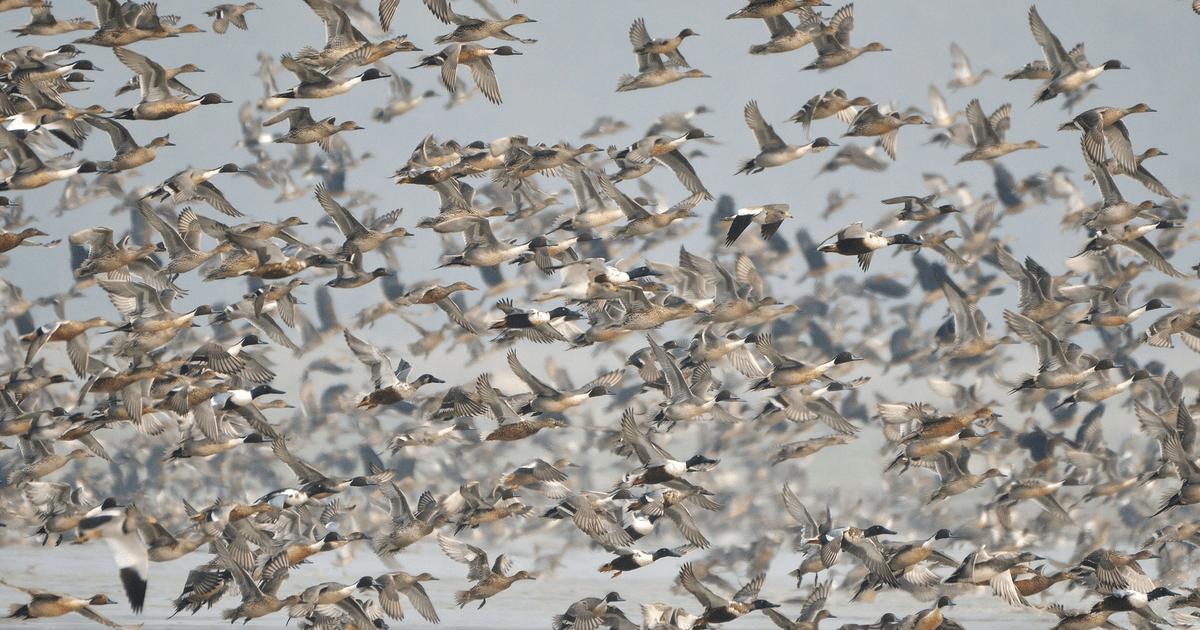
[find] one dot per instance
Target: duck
(193, 184)
(12, 240)
(30, 171)
(811, 614)
(640, 220)
(652, 71)
(1104, 124)
(1143, 176)
(129, 154)
(587, 613)
(664, 150)
(872, 122)
(930, 618)
(359, 238)
(919, 208)
(440, 296)
(45, 604)
(477, 59)
(718, 609)
(550, 400)
(104, 255)
(970, 328)
(773, 151)
(835, 102)
(687, 399)
(157, 101)
(407, 527)
(472, 29)
(489, 580)
(314, 84)
(482, 248)
(402, 98)
(855, 240)
(963, 75)
(390, 388)
(668, 47)
(303, 129)
(346, 46)
(119, 527)
(758, 9)
(185, 253)
(225, 14)
(834, 49)
(1067, 73)
(1113, 210)
(391, 585)
(786, 37)
(43, 22)
(256, 602)
(657, 465)
(990, 143)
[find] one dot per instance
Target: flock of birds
(711, 382)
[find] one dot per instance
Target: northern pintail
(989, 133)
(835, 102)
(1113, 210)
(335, 595)
(1143, 176)
(652, 71)
(158, 103)
(954, 475)
(1189, 491)
(135, 82)
(1057, 369)
(390, 388)
(104, 255)
(1101, 125)
(773, 151)
(668, 47)
(757, 9)
(391, 585)
(30, 172)
(855, 240)
(303, 129)
(43, 22)
(482, 248)
(665, 150)
(963, 75)
(789, 372)
(476, 59)
(919, 208)
(585, 614)
(129, 154)
(256, 602)
(359, 238)
(345, 46)
(1111, 308)
(786, 37)
(45, 604)
(970, 328)
(225, 14)
(1066, 72)
(642, 221)
(490, 580)
(812, 612)
(719, 609)
(193, 185)
(872, 122)
(124, 25)
(834, 49)
(184, 252)
(401, 99)
(314, 84)
(472, 29)
(550, 400)
(1101, 388)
